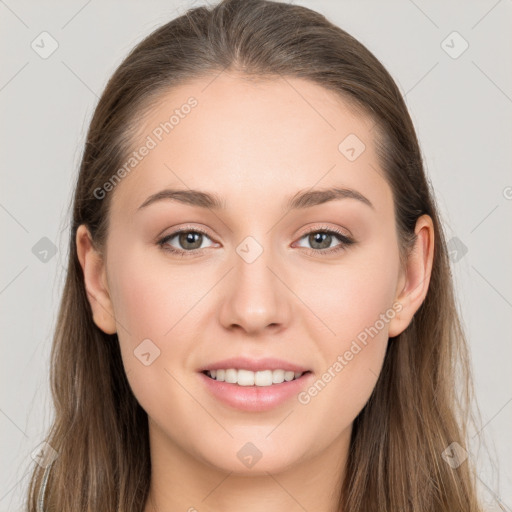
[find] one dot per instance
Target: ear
(415, 279)
(96, 285)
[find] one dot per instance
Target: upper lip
(244, 363)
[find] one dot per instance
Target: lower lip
(255, 398)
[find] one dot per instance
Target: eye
(188, 240)
(321, 241)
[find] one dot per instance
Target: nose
(255, 297)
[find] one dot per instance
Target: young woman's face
(272, 286)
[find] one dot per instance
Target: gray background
(461, 108)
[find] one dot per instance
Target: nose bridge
(255, 283)
(256, 297)
(252, 260)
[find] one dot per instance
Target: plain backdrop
(452, 61)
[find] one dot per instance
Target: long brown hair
(100, 432)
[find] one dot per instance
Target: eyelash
(345, 242)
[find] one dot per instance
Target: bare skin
(255, 145)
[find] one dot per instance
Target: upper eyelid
(315, 229)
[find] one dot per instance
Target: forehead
(252, 140)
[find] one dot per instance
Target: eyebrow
(301, 200)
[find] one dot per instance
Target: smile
(261, 378)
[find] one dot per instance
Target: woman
(258, 312)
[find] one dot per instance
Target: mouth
(254, 384)
(248, 378)
(255, 391)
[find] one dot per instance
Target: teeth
(230, 376)
(247, 378)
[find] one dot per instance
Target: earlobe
(414, 283)
(95, 281)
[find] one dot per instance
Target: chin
(252, 457)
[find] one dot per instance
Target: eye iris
(320, 238)
(190, 237)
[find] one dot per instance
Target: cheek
(354, 301)
(158, 307)
(147, 304)
(351, 295)
(339, 394)
(149, 296)
(149, 301)
(352, 355)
